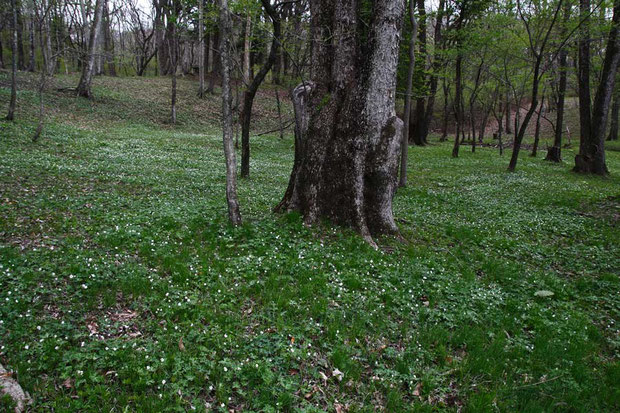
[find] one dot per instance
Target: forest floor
(123, 288)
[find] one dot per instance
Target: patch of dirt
(115, 322)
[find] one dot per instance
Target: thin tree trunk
(250, 92)
(31, 64)
(246, 49)
(42, 82)
(173, 47)
(108, 42)
(201, 50)
(1, 50)
(227, 119)
(88, 68)
(215, 72)
(537, 75)
(438, 62)
(554, 153)
(21, 60)
(416, 126)
(407, 114)
(583, 76)
(615, 112)
(446, 111)
(13, 101)
(537, 131)
(457, 105)
(280, 123)
(508, 118)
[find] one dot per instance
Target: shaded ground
(122, 287)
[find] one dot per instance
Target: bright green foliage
(123, 288)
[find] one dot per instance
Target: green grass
(123, 288)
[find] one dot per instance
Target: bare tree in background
(201, 49)
(13, 100)
(250, 92)
(407, 114)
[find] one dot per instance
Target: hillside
(123, 287)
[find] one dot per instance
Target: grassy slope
(122, 287)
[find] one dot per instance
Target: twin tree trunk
(591, 157)
(250, 92)
(88, 67)
(348, 137)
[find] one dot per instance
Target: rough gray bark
(348, 146)
(13, 99)
(88, 68)
(227, 118)
(11, 388)
(407, 114)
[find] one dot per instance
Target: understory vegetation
(124, 288)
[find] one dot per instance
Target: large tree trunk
(407, 114)
(348, 135)
(14, 28)
(591, 157)
(250, 92)
(88, 68)
(227, 118)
